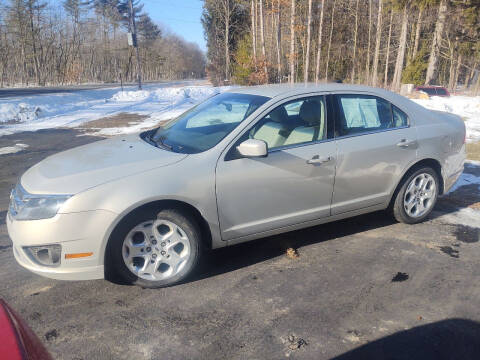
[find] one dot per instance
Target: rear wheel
(156, 249)
(417, 196)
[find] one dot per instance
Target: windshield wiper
(160, 142)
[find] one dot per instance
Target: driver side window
(295, 122)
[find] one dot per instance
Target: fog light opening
(46, 255)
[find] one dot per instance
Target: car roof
(430, 87)
(285, 90)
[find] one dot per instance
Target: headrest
(310, 112)
(279, 115)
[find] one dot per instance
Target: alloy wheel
(420, 195)
(156, 250)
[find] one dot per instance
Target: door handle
(316, 160)
(404, 143)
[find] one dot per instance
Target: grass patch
(473, 151)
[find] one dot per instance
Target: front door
(293, 184)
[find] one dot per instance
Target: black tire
(399, 211)
(187, 224)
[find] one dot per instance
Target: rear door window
(359, 114)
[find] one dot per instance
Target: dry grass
(118, 120)
(473, 151)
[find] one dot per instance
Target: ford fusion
(242, 165)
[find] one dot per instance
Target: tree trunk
(330, 39)
(227, 46)
(355, 37)
(471, 76)
(377, 43)
(387, 57)
(279, 43)
(437, 37)
(457, 73)
(292, 43)
(417, 33)
(262, 39)
(476, 91)
(451, 76)
(367, 69)
(319, 44)
(254, 35)
(307, 55)
(397, 78)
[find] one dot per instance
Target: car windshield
(202, 127)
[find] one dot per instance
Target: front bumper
(82, 232)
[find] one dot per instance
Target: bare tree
(387, 56)
(377, 43)
(254, 31)
(262, 37)
(355, 38)
(330, 39)
(292, 42)
(437, 36)
(397, 77)
(367, 69)
(319, 40)
(309, 28)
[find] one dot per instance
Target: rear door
(376, 142)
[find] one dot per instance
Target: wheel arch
(430, 162)
(157, 205)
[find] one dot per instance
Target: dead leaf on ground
(292, 253)
(475, 206)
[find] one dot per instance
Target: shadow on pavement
(231, 258)
(446, 339)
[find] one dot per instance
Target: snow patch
(13, 149)
(130, 96)
(467, 107)
(71, 109)
(464, 216)
(20, 112)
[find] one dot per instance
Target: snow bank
(13, 149)
(467, 107)
(465, 216)
(71, 109)
(130, 96)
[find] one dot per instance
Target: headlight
(26, 206)
(47, 255)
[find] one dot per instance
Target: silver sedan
(242, 165)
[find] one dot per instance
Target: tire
(415, 199)
(155, 249)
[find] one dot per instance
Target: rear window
(429, 91)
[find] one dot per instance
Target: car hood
(84, 167)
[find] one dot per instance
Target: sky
(180, 16)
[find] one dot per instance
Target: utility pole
(134, 43)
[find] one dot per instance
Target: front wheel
(417, 196)
(156, 249)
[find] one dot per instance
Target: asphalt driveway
(365, 287)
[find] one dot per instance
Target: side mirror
(253, 148)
